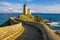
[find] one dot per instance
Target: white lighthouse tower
(29, 11)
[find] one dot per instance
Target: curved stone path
(30, 33)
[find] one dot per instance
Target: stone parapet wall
(51, 35)
(12, 31)
(9, 32)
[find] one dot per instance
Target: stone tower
(24, 9)
(29, 11)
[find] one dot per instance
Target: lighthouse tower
(29, 11)
(25, 9)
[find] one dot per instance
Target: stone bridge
(24, 30)
(33, 31)
(30, 33)
(45, 32)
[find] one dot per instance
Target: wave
(54, 24)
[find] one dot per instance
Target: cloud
(45, 9)
(6, 7)
(9, 7)
(25, 0)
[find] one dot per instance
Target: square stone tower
(25, 8)
(29, 11)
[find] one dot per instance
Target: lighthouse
(29, 11)
(25, 9)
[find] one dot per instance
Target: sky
(36, 6)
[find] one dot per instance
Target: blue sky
(41, 2)
(40, 6)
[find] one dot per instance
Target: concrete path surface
(30, 33)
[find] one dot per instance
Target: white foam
(53, 23)
(57, 25)
(46, 20)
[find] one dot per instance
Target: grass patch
(26, 17)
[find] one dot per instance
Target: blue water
(52, 17)
(5, 16)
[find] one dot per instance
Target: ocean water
(52, 17)
(5, 16)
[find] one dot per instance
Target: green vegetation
(6, 23)
(31, 18)
(39, 19)
(27, 17)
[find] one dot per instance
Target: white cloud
(25, 0)
(7, 7)
(45, 9)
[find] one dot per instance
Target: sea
(54, 18)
